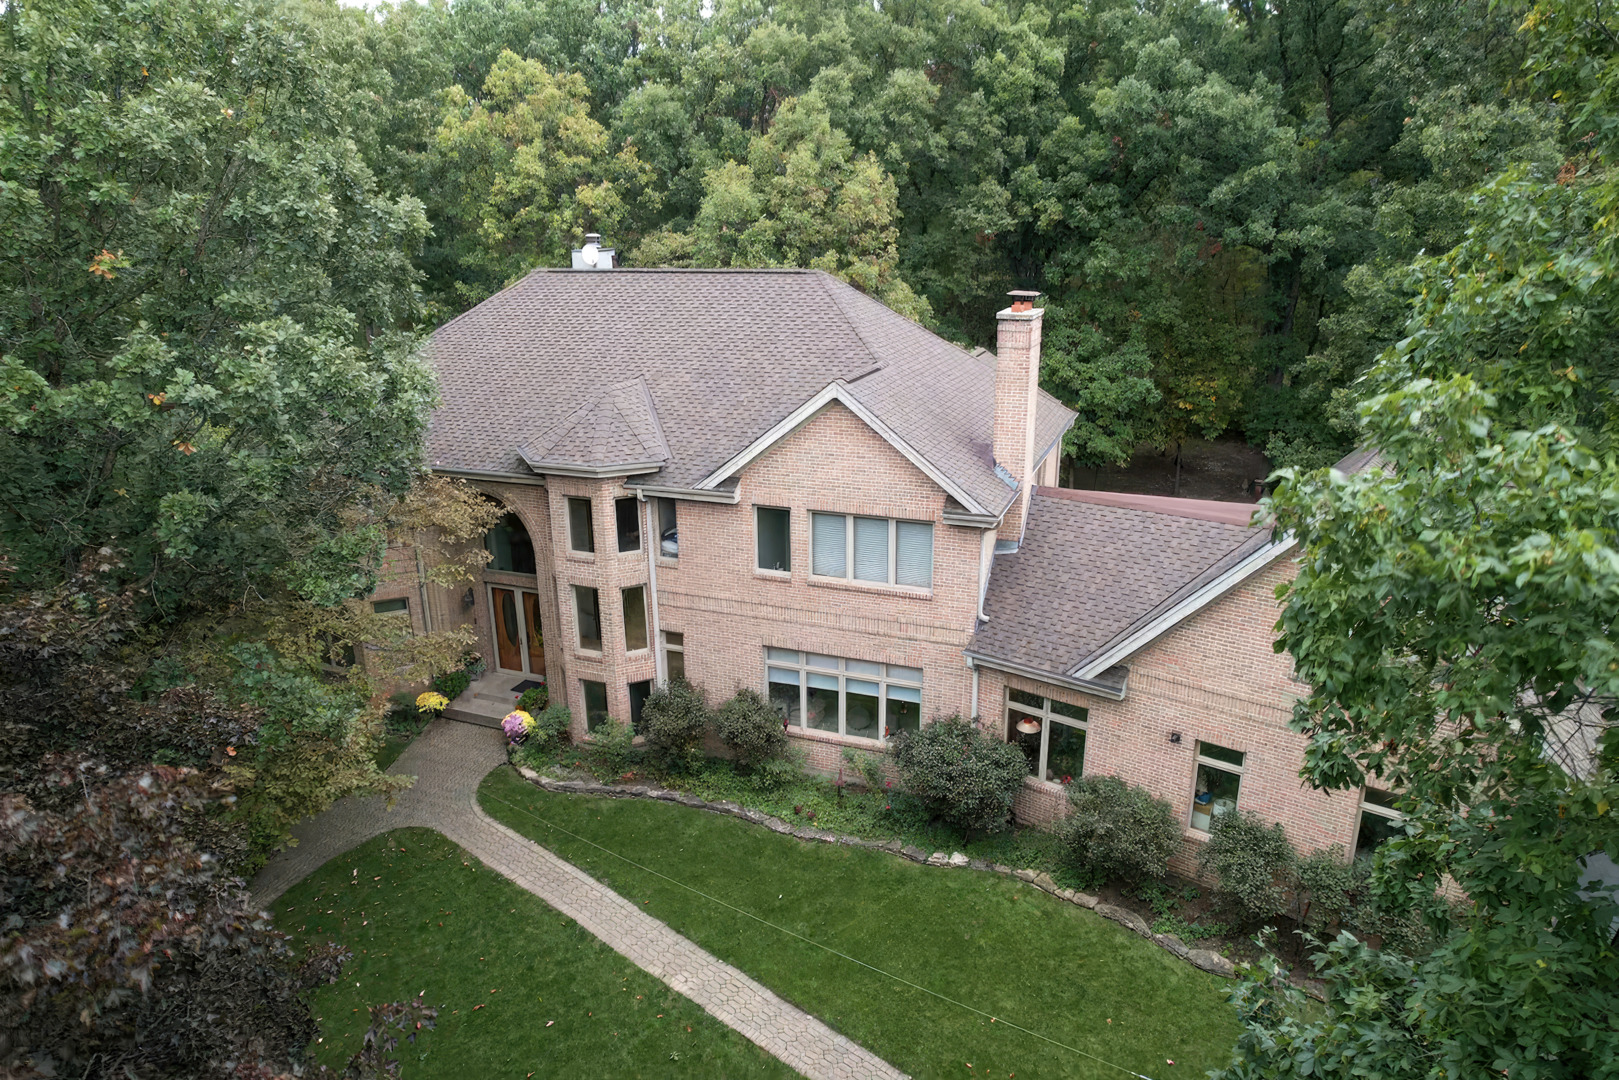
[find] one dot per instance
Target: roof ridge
(848, 319)
(1212, 510)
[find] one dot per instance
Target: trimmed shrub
(613, 750)
(1254, 863)
(959, 774)
(773, 774)
(553, 726)
(1327, 886)
(674, 719)
(452, 683)
(750, 726)
(1117, 832)
(534, 700)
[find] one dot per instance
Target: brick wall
(1214, 678)
(729, 611)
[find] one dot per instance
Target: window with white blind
(883, 551)
(845, 697)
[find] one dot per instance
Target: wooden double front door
(519, 645)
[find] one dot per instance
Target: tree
(532, 173)
(204, 299)
(804, 198)
(1454, 614)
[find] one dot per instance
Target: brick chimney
(1017, 380)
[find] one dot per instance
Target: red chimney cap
(1022, 299)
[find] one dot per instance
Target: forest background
(1220, 203)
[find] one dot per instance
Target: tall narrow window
(639, 692)
(774, 534)
(668, 529)
(595, 694)
(1219, 777)
(829, 535)
(581, 530)
(587, 605)
(1379, 821)
(510, 547)
(628, 515)
(634, 618)
(674, 654)
(871, 549)
(913, 559)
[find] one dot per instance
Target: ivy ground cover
(1111, 999)
(521, 990)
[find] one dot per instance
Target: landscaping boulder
(1211, 961)
(1125, 917)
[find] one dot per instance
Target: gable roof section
(725, 356)
(1096, 581)
(615, 431)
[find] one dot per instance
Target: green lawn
(986, 941)
(422, 915)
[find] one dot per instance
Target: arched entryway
(514, 610)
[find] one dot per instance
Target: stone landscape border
(1206, 959)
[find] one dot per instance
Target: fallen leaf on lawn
(548, 1023)
(475, 1008)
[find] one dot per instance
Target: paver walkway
(449, 760)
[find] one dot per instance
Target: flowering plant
(431, 702)
(517, 724)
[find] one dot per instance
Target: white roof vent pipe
(593, 256)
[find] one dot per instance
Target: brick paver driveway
(449, 760)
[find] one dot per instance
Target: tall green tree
(1454, 614)
(205, 301)
(804, 198)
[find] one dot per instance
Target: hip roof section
(686, 369)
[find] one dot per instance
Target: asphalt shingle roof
(541, 372)
(1089, 572)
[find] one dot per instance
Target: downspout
(421, 590)
(973, 664)
(650, 540)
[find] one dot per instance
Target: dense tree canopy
(1219, 203)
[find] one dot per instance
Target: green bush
(613, 751)
(1326, 888)
(534, 700)
(1254, 863)
(959, 774)
(403, 718)
(774, 774)
(553, 726)
(1117, 832)
(869, 766)
(674, 719)
(752, 729)
(452, 683)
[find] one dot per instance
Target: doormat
(527, 684)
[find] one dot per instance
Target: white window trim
(1223, 766)
(757, 569)
(1047, 717)
(646, 616)
(601, 627)
(668, 648)
(640, 532)
(883, 681)
(848, 551)
(591, 515)
(1367, 807)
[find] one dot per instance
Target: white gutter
(730, 498)
(485, 474)
(1084, 686)
(1192, 604)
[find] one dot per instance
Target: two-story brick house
(767, 479)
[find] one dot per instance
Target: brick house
(765, 478)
